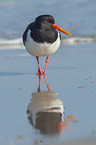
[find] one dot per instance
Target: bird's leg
(40, 78)
(40, 71)
(47, 61)
(48, 86)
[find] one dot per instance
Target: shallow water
(72, 76)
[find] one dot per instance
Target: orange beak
(60, 29)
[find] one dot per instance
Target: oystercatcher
(42, 38)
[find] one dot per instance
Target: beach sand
(91, 141)
(71, 73)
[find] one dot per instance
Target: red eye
(48, 20)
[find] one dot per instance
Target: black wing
(30, 26)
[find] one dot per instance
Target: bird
(42, 38)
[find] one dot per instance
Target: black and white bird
(42, 38)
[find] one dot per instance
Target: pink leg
(47, 61)
(40, 71)
(48, 86)
(40, 78)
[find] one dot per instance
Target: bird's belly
(41, 49)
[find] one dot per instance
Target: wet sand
(71, 74)
(91, 141)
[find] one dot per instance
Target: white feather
(41, 49)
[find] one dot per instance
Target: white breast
(41, 49)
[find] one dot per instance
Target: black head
(44, 22)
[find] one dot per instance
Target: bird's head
(47, 22)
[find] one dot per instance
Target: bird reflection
(46, 111)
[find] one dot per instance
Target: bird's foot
(40, 72)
